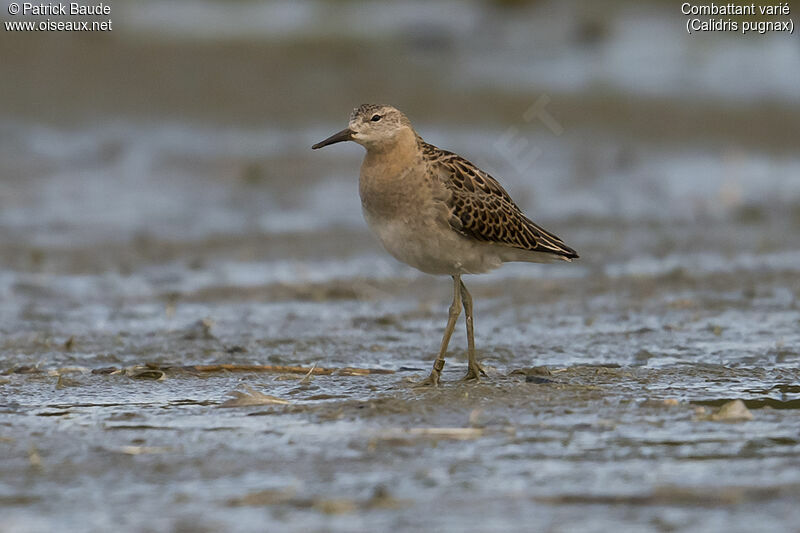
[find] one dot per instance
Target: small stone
(146, 373)
(335, 506)
(734, 411)
(27, 370)
(236, 349)
(538, 380)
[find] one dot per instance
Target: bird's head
(373, 126)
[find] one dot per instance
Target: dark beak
(344, 135)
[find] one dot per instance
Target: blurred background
(193, 119)
(160, 174)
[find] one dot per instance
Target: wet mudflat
(122, 428)
(358, 453)
(197, 333)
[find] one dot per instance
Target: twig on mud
(454, 433)
(223, 367)
(142, 450)
(307, 378)
(314, 370)
(350, 371)
(229, 367)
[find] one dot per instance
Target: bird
(439, 213)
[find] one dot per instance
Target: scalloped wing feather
(481, 209)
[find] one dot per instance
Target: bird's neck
(391, 176)
(394, 158)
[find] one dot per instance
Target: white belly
(430, 245)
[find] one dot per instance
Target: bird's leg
(455, 310)
(474, 370)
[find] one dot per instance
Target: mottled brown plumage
(439, 213)
(483, 210)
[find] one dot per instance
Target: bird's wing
(481, 209)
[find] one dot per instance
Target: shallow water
(152, 227)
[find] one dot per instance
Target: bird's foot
(474, 372)
(433, 379)
(430, 381)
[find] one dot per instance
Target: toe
(430, 381)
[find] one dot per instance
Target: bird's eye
(375, 118)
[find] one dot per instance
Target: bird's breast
(389, 192)
(415, 231)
